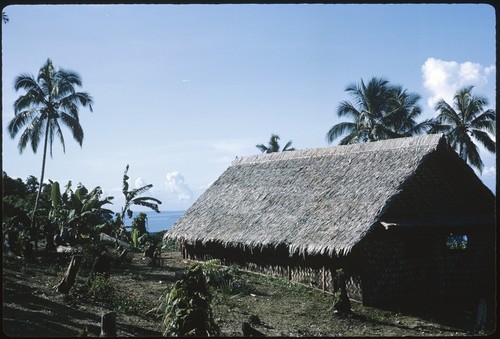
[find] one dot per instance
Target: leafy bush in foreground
(187, 306)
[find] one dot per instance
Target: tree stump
(69, 278)
(108, 324)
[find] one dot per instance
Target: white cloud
(176, 187)
(443, 78)
(138, 182)
(490, 171)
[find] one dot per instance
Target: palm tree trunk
(44, 157)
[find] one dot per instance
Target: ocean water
(158, 222)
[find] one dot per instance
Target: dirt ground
(275, 307)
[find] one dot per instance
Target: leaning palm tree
(49, 102)
(466, 122)
(274, 146)
(380, 111)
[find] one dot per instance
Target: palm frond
(74, 125)
(69, 78)
(142, 199)
(25, 81)
(347, 109)
(24, 139)
(287, 147)
(352, 138)
(20, 120)
(485, 121)
(421, 127)
(36, 129)
(77, 98)
(484, 139)
(339, 129)
(140, 190)
(26, 102)
(55, 128)
(262, 148)
(447, 114)
(147, 203)
(471, 153)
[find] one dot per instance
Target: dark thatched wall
(439, 187)
(407, 267)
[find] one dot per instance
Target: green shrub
(188, 306)
(101, 289)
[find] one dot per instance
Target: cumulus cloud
(490, 171)
(139, 182)
(175, 185)
(443, 78)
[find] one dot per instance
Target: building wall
(314, 271)
(404, 269)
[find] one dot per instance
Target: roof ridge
(432, 140)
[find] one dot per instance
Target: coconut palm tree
(274, 146)
(465, 123)
(380, 111)
(402, 114)
(49, 102)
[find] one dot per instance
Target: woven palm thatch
(314, 201)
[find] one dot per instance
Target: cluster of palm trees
(382, 111)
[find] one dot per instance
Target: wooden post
(108, 324)
(324, 279)
(289, 271)
(69, 278)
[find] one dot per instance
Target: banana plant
(80, 209)
(132, 197)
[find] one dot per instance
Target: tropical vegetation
(49, 102)
(132, 197)
(70, 216)
(79, 216)
(379, 111)
(273, 145)
(465, 123)
(187, 306)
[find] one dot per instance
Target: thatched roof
(314, 201)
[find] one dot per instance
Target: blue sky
(181, 90)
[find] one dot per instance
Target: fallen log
(112, 240)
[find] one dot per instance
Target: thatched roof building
(325, 202)
(317, 201)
